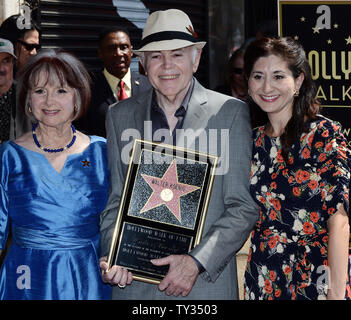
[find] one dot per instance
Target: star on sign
(303, 19)
(348, 40)
(315, 29)
(329, 41)
(167, 190)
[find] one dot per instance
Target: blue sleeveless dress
(54, 218)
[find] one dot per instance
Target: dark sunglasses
(29, 46)
(238, 70)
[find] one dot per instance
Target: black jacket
(93, 123)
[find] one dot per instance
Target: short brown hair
(56, 63)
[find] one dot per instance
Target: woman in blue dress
(300, 176)
(54, 183)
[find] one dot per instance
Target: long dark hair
(9, 29)
(305, 105)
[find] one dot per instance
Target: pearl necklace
(35, 125)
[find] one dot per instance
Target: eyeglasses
(238, 70)
(29, 46)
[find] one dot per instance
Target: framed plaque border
(123, 216)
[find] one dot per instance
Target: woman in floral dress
(300, 179)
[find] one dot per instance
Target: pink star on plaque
(167, 190)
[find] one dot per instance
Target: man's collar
(113, 81)
(188, 94)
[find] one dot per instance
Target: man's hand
(181, 276)
(116, 275)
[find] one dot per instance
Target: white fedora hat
(168, 30)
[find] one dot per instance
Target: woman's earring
(296, 93)
(30, 109)
(75, 108)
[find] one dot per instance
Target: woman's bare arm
(338, 253)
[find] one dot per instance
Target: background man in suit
(115, 51)
(13, 122)
(21, 44)
(186, 112)
(7, 90)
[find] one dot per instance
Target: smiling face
(170, 71)
(115, 51)
(272, 86)
(52, 103)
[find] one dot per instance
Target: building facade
(74, 25)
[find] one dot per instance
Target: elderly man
(170, 54)
(115, 82)
(13, 122)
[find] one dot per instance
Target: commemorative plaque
(163, 207)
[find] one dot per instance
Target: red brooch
(86, 163)
(192, 31)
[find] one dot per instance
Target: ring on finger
(121, 286)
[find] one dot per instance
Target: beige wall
(8, 8)
(1, 12)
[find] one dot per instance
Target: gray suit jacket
(231, 213)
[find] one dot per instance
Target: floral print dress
(288, 254)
